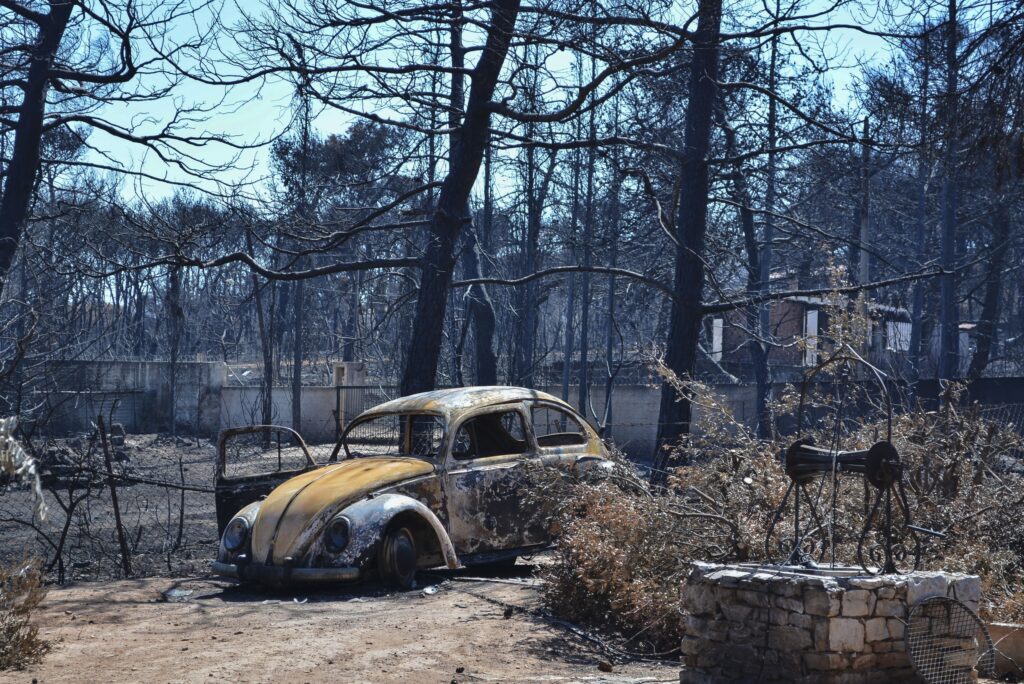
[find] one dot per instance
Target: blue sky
(254, 116)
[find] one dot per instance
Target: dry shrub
(21, 592)
(624, 549)
(616, 561)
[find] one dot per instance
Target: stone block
(881, 647)
(699, 598)
(735, 612)
(886, 593)
(802, 621)
(717, 633)
(821, 634)
(788, 639)
(788, 589)
(708, 658)
(966, 588)
(846, 634)
(821, 602)
(793, 605)
(869, 583)
(858, 603)
(691, 645)
(892, 608)
(757, 599)
(863, 661)
(777, 616)
(893, 659)
(921, 586)
(696, 625)
(875, 629)
(739, 634)
(825, 661)
(895, 627)
(727, 577)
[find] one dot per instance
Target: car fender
(370, 517)
(249, 513)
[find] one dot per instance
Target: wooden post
(126, 563)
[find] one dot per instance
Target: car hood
(314, 497)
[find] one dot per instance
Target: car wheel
(396, 558)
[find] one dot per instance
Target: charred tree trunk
(481, 309)
(28, 134)
(920, 220)
(691, 226)
(760, 350)
(266, 349)
(569, 343)
(757, 345)
(298, 325)
(451, 211)
(174, 318)
(986, 331)
(949, 351)
(588, 236)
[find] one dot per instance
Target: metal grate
(947, 642)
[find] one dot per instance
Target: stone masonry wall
(749, 623)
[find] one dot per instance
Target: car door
(485, 483)
(251, 462)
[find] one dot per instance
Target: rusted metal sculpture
(881, 471)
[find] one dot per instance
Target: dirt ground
(456, 629)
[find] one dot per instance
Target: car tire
(396, 558)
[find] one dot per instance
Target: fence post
(126, 563)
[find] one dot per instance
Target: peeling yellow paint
(455, 402)
(288, 509)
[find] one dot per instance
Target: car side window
(501, 433)
(555, 427)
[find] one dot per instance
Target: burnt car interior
(413, 435)
(492, 434)
(555, 428)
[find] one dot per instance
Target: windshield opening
(416, 435)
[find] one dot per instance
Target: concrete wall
(634, 419)
(70, 394)
(138, 394)
(243, 406)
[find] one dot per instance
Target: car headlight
(236, 534)
(336, 535)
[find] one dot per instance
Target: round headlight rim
(242, 538)
(329, 539)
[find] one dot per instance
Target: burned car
(434, 479)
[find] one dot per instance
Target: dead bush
(624, 549)
(21, 592)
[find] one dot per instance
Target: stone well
(751, 623)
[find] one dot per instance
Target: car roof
(453, 402)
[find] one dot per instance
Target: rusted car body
(439, 478)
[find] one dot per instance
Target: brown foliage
(21, 592)
(624, 549)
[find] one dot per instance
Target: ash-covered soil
(79, 521)
(201, 630)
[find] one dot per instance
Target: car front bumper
(280, 575)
